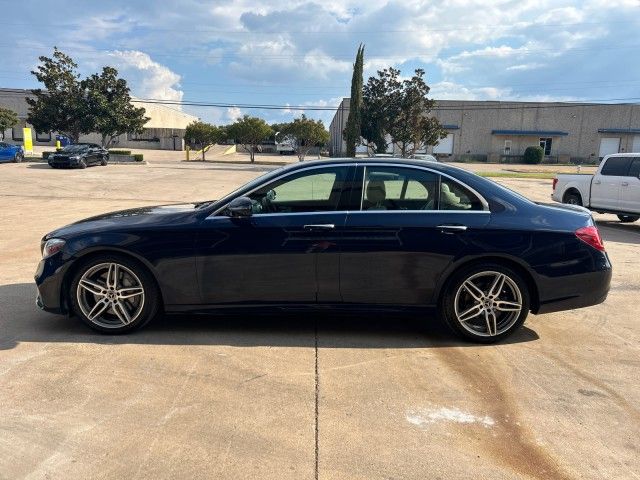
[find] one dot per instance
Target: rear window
(616, 166)
(634, 171)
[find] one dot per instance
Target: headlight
(74, 158)
(52, 246)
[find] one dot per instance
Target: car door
(630, 191)
(607, 183)
(286, 252)
(412, 223)
(4, 152)
(92, 155)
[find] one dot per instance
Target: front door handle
(625, 184)
(597, 182)
(321, 226)
(452, 228)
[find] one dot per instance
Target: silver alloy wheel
(488, 303)
(110, 295)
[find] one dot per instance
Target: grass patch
(538, 175)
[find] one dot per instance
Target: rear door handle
(625, 184)
(321, 226)
(597, 182)
(452, 228)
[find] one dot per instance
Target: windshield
(248, 186)
(75, 148)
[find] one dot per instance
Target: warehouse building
(501, 131)
(164, 130)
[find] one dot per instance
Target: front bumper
(49, 280)
(64, 162)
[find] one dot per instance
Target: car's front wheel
(114, 294)
(628, 218)
(485, 303)
(104, 160)
(18, 158)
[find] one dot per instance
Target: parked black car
(346, 234)
(79, 155)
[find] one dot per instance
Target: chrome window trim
(484, 202)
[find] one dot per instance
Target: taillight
(555, 182)
(591, 236)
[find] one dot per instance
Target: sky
(300, 53)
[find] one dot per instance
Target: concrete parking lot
(300, 397)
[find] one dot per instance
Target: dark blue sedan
(11, 153)
(348, 234)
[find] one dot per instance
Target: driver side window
(316, 190)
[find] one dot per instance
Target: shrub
(138, 157)
(533, 155)
(120, 152)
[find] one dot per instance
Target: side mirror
(240, 207)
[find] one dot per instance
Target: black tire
(82, 164)
(628, 218)
(18, 158)
(104, 160)
(151, 300)
(512, 321)
(572, 198)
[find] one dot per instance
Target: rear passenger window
(616, 166)
(454, 196)
(634, 170)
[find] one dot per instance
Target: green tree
(109, 105)
(249, 132)
(8, 119)
(203, 134)
(352, 130)
(304, 134)
(399, 109)
(62, 105)
(411, 128)
(380, 99)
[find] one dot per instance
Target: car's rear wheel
(572, 198)
(486, 302)
(628, 218)
(114, 294)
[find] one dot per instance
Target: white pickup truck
(615, 187)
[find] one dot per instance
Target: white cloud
(149, 79)
(233, 114)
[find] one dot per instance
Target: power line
(148, 28)
(515, 51)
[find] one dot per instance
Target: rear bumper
(574, 291)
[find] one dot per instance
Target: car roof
(439, 167)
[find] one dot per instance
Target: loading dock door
(609, 146)
(636, 144)
(445, 145)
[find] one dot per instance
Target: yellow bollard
(187, 153)
(58, 147)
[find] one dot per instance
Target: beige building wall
(164, 130)
(473, 123)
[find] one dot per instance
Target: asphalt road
(300, 397)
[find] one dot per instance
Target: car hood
(143, 217)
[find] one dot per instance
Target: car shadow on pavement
(21, 321)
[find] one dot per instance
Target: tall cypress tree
(354, 120)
